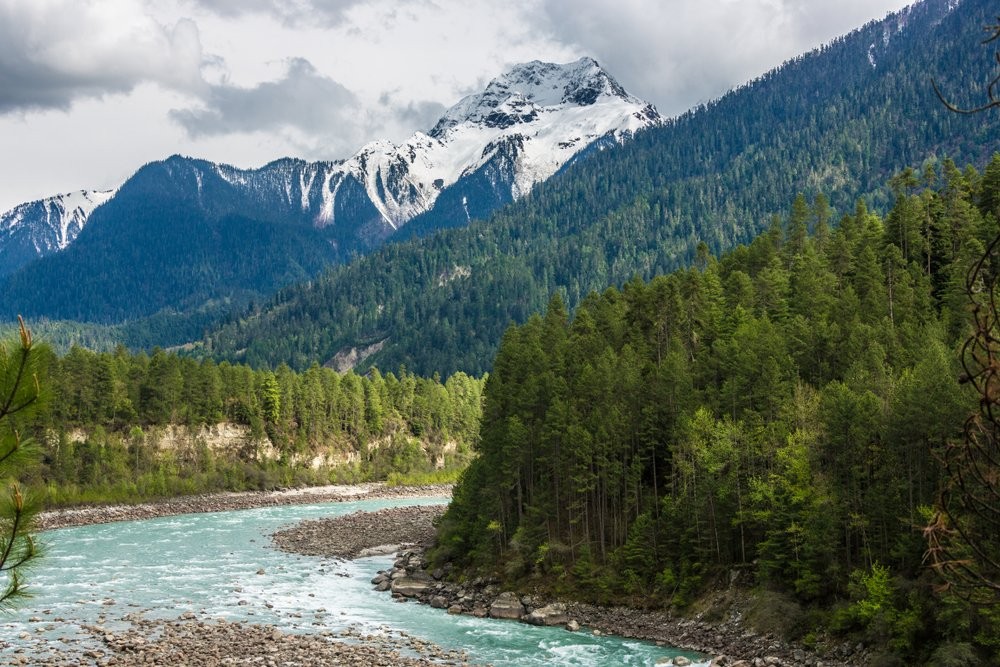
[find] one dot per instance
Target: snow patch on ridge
(51, 224)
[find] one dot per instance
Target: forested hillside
(778, 411)
(839, 120)
(183, 239)
(118, 426)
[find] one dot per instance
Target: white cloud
(58, 51)
(302, 100)
(289, 12)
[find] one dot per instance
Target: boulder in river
(507, 605)
(550, 614)
(409, 586)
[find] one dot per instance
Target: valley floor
(728, 639)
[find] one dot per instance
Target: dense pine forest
(117, 426)
(776, 412)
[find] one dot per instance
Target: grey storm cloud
(303, 99)
(55, 53)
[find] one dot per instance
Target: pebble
(347, 536)
(162, 643)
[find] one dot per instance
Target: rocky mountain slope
(42, 227)
(487, 150)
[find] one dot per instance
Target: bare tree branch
(993, 99)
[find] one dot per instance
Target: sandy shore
(220, 502)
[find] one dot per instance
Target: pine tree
(20, 394)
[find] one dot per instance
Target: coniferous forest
(118, 426)
(777, 412)
(825, 122)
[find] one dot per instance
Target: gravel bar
(220, 502)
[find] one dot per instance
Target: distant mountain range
(181, 242)
(487, 150)
(840, 120)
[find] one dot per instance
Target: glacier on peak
(525, 88)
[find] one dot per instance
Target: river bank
(727, 638)
(203, 643)
(220, 502)
(361, 533)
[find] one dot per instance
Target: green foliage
(122, 427)
(674, 430)
(958, 654)
(874, 592)
(21, 398)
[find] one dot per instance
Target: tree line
(108, 429)
(777, 411)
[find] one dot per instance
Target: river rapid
(222, 565)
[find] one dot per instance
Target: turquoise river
(209, 564)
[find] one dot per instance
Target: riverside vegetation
(776, 412)
(123, 427)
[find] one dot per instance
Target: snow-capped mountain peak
(64, 216)
(537, 116)
(519, 94)
(486, 150)
(526, 124)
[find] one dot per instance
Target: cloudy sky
(92, 89)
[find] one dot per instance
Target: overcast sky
(90, 90)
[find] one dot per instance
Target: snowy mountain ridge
(41, 227)
(63, 216)
(497, 144)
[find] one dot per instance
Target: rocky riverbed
(198, 639)
(729, 642)
(207, 643)
(361, 533)
(219, 502)
(203, 641)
